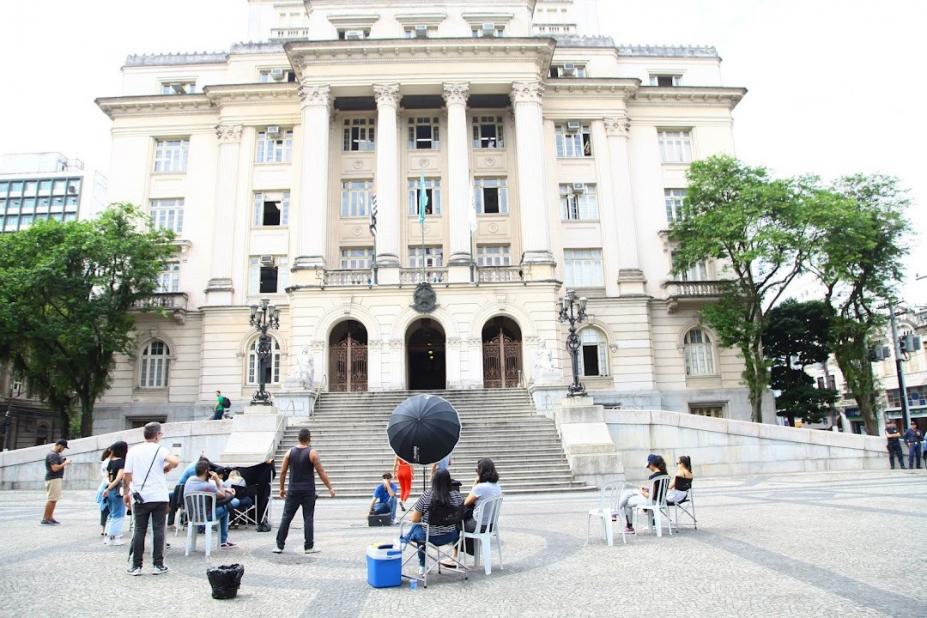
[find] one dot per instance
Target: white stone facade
(500, 107)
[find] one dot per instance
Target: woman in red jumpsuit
(402, 472)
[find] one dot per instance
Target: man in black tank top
(302, 462)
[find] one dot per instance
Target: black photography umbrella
(423, 429)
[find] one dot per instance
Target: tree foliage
(66, 291)
(757, 227)
(798, 335)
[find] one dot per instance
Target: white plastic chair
(609, 496)
(486, 510)
(659, 485)
(687, 506)
(437, 554)
(200, 507)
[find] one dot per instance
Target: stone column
(220, 289)
(389, 214)
(630, 276)
(608, 216)
(458, 172)
(529, 144)
(315, 100)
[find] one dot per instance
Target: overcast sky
(834, 85)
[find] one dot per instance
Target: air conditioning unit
(267, 260)
(574, 126)
(277, 74)
(579, 187)
(421, 32)
(569, 70)
(272, 131)
(489, 29)
(354, 35)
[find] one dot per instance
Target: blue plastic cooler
(384, 566)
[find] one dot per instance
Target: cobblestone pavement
(838, 544)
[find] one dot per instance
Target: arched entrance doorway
(425, 356)
(501, 353)
(347, 357)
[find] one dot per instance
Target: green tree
(756, 227)
(797, 335)
(859, 262)
(66, 292)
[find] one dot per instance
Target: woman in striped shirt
(441, 508)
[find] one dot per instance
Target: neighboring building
(46, 185)
(910, 322)
(549, 159)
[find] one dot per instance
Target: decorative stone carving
(546, 369)
(228, 133)
(613, 347)
(454, 341)
(317, 346)
(394, 344)
(474, 342)
(357, 231)
(527, 92)
(456, 94)
(532, 340)
(314, 95)
(424, 162)
(387, 94)
(617, 126)
(493, 228)
(357, 164)
(305, 368)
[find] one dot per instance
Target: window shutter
(285, 208)
(254, 276)
(603, 359)
(258, 208)
(283, 274)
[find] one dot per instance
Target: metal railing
(415, 275)
(500, 274)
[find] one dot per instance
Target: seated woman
(207, 481)
(485, 487)
(682, 482)
(630, 499)
(441, 508)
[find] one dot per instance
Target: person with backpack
(222, 404)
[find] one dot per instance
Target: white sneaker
(277, 549)
(116, 542)
(106, 538)
(421, 571)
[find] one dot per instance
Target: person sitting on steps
(384, 498)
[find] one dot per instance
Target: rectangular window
(171, 155)
(271, 208)
(583, 268)
(345, 34)
(186, 87)
(267, 76)
(559, 71)
(674, 200)
(665, 81)
(356, 258)
(491, 196)
(574, 140)
(169, 279)
(675, 145)
(487, 30)
(420, 31)
(712, 411)
(268, 274)
(22, 202)
(432, 192)
(493, 255)
(433, 257)
(358, 135)
(355, 198)
(424, 134)
(579, 202)
(167, 214)
(274, 145)
(487, 132)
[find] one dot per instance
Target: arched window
(699, 356)
(593, 353)
(272, 372)
(154, 366)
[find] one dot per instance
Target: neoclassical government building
(546, 156)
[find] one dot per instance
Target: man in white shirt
(147, 494)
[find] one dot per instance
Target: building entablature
(690, 95)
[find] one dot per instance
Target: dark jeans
(157, 512)
(894, 450)
(295, 500)
(217, 415)
(914, 455)
(417, 535)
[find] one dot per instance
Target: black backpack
(226, 403)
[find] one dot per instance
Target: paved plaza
(836, 544)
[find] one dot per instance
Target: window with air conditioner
(267, 76)
(358, 135)
(420, 31)
(491, 196)
(268, 274)
(274, 145)
(271, 208)
(583, 268)
(432, 191)
(579, 202)
(487, 132)
(675, 145)
(487, 30)
(574, 139)
(424, 133)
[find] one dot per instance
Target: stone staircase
(349, 431)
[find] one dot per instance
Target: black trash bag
(225, 580)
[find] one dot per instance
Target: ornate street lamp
(264, 317)
(573, 311)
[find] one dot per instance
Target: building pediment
(164, 105)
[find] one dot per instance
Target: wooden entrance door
(348, 363)
(501, 361)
